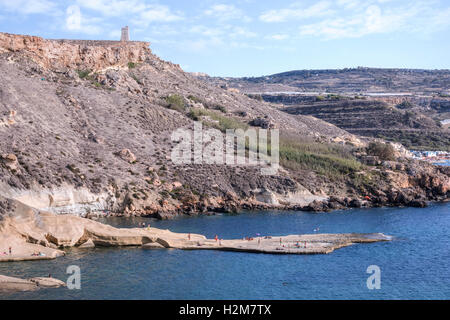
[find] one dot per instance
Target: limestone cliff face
(75, 54)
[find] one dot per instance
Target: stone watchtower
(125, 34)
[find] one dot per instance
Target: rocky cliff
(85, 126)
(61, 55)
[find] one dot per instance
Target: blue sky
(253, 37)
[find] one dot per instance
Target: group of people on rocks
(34, 254)
(38, 254)
(143, 225)
(10, 252)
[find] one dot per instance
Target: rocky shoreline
(28, 234)
(393, 198)
(413, 184)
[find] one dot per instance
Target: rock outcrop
(12, 284)
(60, 55)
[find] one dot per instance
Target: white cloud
(225, 12)
(207, 31)
(113, 7)
(164, 30)
(205, 39)
(75, 21)
(30, 6)
(139, 11)
(370, 18)
(237, 32)
(225, 31)
(278, 37)
(115, 34)
(204, 44)
(433, 20)
(297, 12)
(157, 13)
(348, 4)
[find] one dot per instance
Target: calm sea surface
(416, 265)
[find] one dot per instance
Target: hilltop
(409, 106)
(350, 80)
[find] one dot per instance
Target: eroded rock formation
(60, 55)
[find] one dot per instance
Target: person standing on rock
(216, 237)
(10, 251)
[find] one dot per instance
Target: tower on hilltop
(125, 34)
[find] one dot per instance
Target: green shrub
(195, 99)
(136, 79)
(220, 108)
(404, 105)
(131, 65)
(175, 102)
(255, 96)
(381, 150)
(331, 160)
(335, 97)
(224, 122)
(83, 73)
(320, 98)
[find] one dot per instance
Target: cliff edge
(60, 55)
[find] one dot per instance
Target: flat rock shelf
(291, 244)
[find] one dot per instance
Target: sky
(253, 37)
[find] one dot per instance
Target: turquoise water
(413, 266)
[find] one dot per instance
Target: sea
(414, 265)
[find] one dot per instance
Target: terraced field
(371, 118)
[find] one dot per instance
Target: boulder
(266, 196)
(355, 203)
(127, 155)
(10, 161)
(88, 244)
(263, 123)
(316, 206)
(418, 204)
